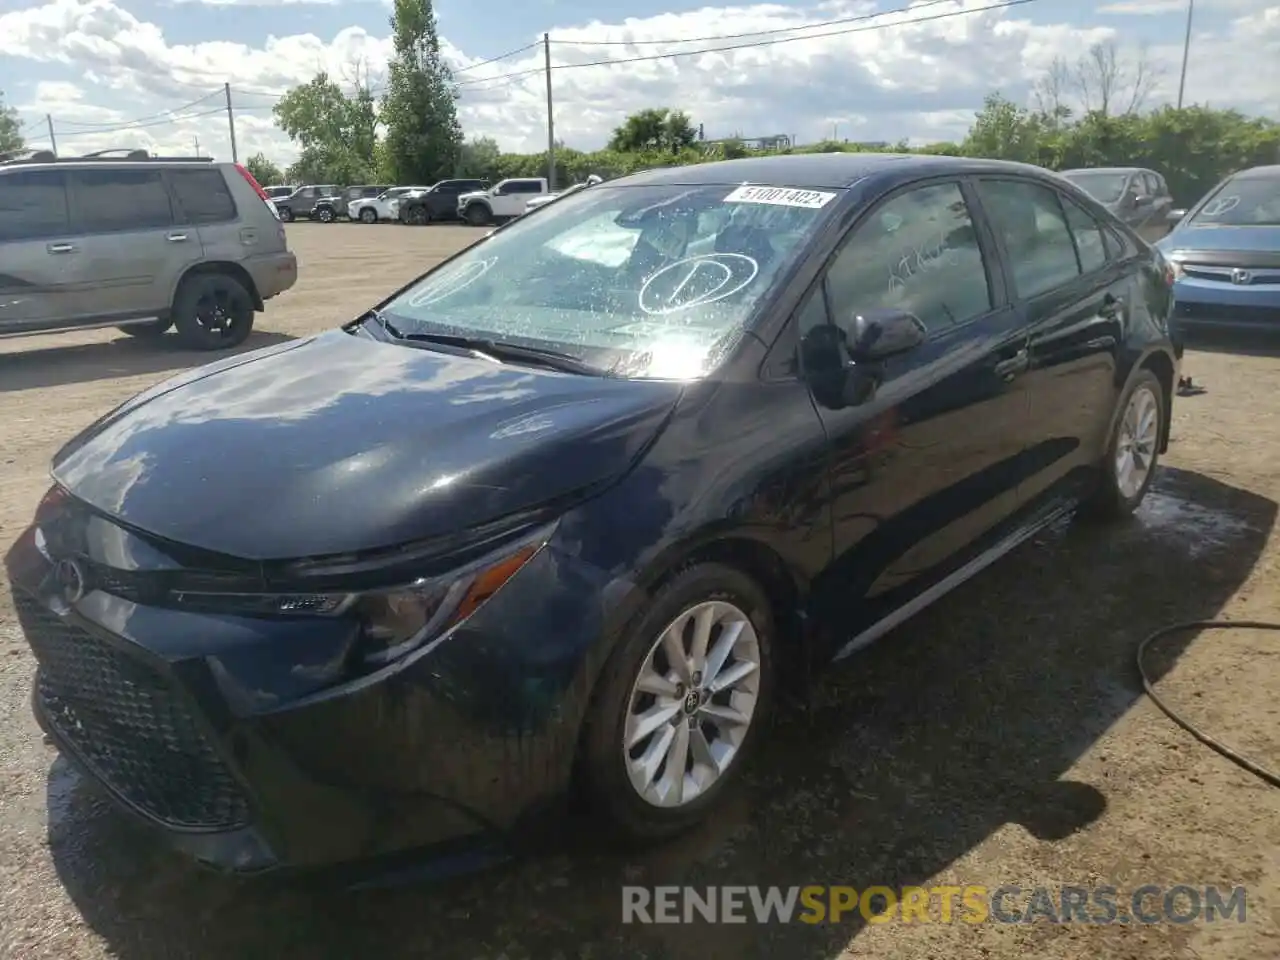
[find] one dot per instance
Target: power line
(755, 43)
(512, 53)
(151, 116)
(739, 36)
(143, 126)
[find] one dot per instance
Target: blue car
(1225, 254)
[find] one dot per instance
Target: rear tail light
(257, 187)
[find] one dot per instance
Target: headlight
(395, 620)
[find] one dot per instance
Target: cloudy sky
(150, 72)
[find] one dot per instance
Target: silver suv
(143, 244)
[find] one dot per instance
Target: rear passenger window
(107, 201)
(917, 252)
(33, 205)
(202, 196)
(1090, 244)
(1030, 219)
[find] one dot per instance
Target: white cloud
(920, 81)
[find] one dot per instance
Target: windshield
(1103, 187)
(645, 282)
(1242, 202)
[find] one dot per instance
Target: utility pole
(551, 130)
(197, 142)
(53, 142)
(1186, 52)
(231, 123)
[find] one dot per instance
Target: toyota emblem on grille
(70, 580)
(1241, 276)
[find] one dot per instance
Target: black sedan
(562, 515)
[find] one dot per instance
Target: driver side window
(917, 252)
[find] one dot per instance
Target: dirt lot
(999, 738)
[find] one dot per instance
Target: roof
(1115, 170)
(829, 170)
(1260, 173)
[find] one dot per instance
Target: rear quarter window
(33, 205)
(202, 195)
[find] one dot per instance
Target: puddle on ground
(1199, 529)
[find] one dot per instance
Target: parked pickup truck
(504, 200)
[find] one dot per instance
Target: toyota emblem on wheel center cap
(70, 579)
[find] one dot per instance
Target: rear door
(132, 243)
(207, 213)
(923, 473)
(1074, 292)
(40, 259)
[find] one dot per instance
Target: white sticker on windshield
(781, 197)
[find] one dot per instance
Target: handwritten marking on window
(916, 261)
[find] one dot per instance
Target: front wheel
(213, 311)
(1133, 452)
(477, 215)
(680, 704)
(286, 214)
(368, 216)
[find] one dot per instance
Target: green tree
(481, 157)
(264, 171)
(337, 132)
(424, 139)
(10, 132)
(654, 129)
(1003, 130)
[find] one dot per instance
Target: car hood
(1226, 239)
(474, 195)
(341, 443)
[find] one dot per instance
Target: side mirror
(878, 334)
(1175, 216)
(842, 366)
(1141, 200)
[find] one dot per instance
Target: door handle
(177, 237)
(61, 248)
(1111, 306)
(1010, 367)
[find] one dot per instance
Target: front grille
(130, 726)
(1228, 313)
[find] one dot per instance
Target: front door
(923, 472)
(41, 280)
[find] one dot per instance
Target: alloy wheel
(692, 704)
(1136, 441)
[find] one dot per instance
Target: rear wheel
(147, 331)
(213, 311)
(368, 215)
(325, 215)
(1134, 450)
(417, 216)
(680, 703)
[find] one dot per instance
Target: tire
(1118, 494)
(213, 311)
(325, 215)
(478, 215)
(606, 767)
(368, 215)
(147, 331)
(417, 217)
(286, 214)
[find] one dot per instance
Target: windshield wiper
(498, 350)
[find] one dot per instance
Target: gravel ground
(998, 738)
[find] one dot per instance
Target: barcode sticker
(781, 197)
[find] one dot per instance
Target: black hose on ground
(1270, 776)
